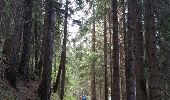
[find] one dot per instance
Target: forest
(97, 49)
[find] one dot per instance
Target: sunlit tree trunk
(123, 79)
(58, 76)
(116, 76)
(44, 89)
(126, 53)
(151, 51)
(55, 88)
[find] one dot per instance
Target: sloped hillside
(24, 90)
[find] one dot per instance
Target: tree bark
(151, 51)
(93, 81)
(26, 45)
(37, 44)
(116, 76)
(15, 46)
(130, 68)
(123, 80)
(63, 57)
(1, 11)
(141, 93)
(40, 45)
(44, 89)
(105, 54)
(110, 50)
(55, 88)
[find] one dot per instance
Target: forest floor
(23, 91)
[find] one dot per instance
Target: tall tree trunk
(55, 63)
(14, 56)
(100, 90)
(32, 52)
(45, 85)
(55, 88)
(26, 45)
(63, 59)
(122, 72)
(123, 80)
(41, 63)
(36, 39)
(151, 51)
(130, 68)
(105, 54)
(1, 11)
(126, 53)
(56, 85)
(110, 49)
(41, 39)
(141, 93)
(58, 79)
(93, 81)
(116, 76)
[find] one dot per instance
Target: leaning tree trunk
(116, 76)
(45, 85)
(151, 51)
(26, 45)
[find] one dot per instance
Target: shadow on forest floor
(23, 91)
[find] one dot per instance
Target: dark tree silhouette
(151, 51)
(105, 53)
(26, 45)
(116, 76)
(45, 85)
